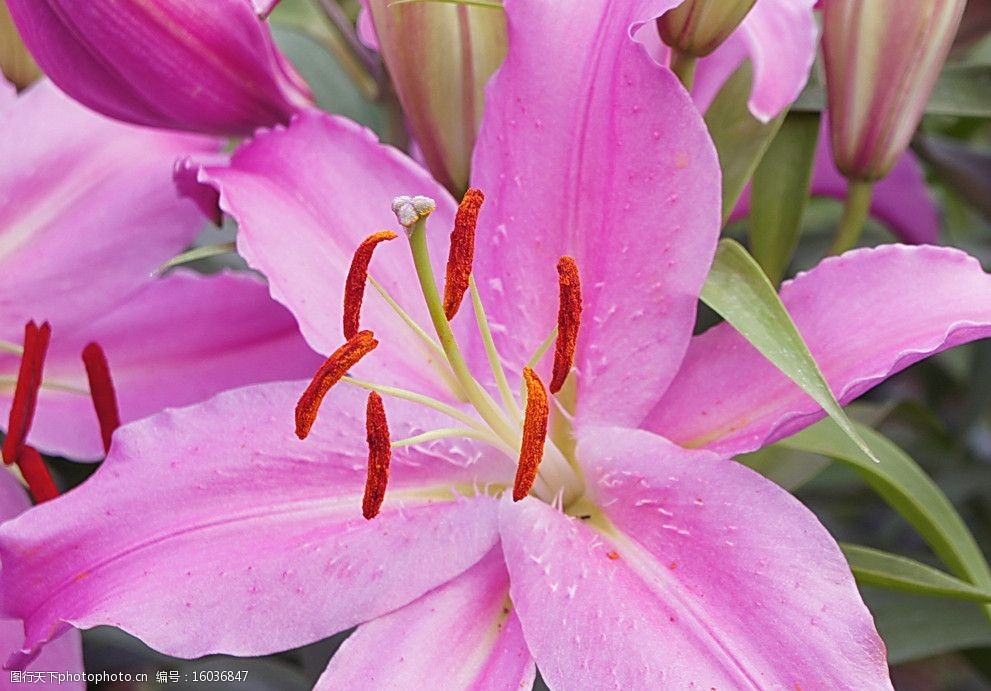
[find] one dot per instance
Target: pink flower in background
(92, 214)
(208, 67)
(636, 559)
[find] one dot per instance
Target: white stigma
(409, 210)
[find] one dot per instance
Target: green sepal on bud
(697, 27)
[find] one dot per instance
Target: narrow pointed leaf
(780, 192)
(741, 294)
(907, 489)
(894, 572)
(740, 138)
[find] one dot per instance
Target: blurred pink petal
(178, 340)
(464, 633)
(178, 64)
(865, 315)
(267, 540)
(710, 576)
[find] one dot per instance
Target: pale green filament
(490, 351)
(479, 398)
(11, 382)
(447, 433)
(12, 348)
(541, 349)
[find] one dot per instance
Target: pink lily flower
(208, 67)
(631, 560)
(92, 214)
(901, 201)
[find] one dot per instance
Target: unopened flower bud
(439, 57)
(16, 62)
(882, 59)
(698, 27)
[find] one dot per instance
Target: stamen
(330, 372)
(569, 318)
(101, 387)
(36, 474)
(462, 251)
(379, 455)
(354, 286)
(26, 392)
(534, 434)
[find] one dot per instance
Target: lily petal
(64, 654)
(267, 549)
(179, 340)
(707, 576)
(865, 315)
(90, 195)
(304, 198)
(592, 150)
(463, 635)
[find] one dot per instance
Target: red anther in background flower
(330, 372)
(101, 388)
(534, 434)
(569, 319)
(26, 392)
(379, 455)
(354, 285)
(36, 475)
(462, 251)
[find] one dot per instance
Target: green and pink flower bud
(698, 27)
(882, 59)
(439, 57)
(207, 67)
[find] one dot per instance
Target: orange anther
(462, 251)
(534, 434)
(379, 455)
(354, 286)
(330, 372)
(569, 319)
(101, 389)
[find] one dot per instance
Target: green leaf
(886, 570)
(780, 192)
(907, 489)
(960, 91)
(741, 294)
(337, 85)
(914, 628)
(740, 138)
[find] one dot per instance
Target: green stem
(855, 212)
(683, 65)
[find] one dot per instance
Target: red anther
(26, 392)
(462, 252)
(379, 455)
(36, 474)
(330, 372)
(534, 434)
(354, 286)
(101, 389)
(569, 319)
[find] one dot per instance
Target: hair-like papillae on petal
(464, 633)
(179, 64)
(707, 576)
(93, 197)
(901, 199)
(865, 315)
(268, 549)
(304, 198)
(177, 341)
(64, 654)
(594, 151)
